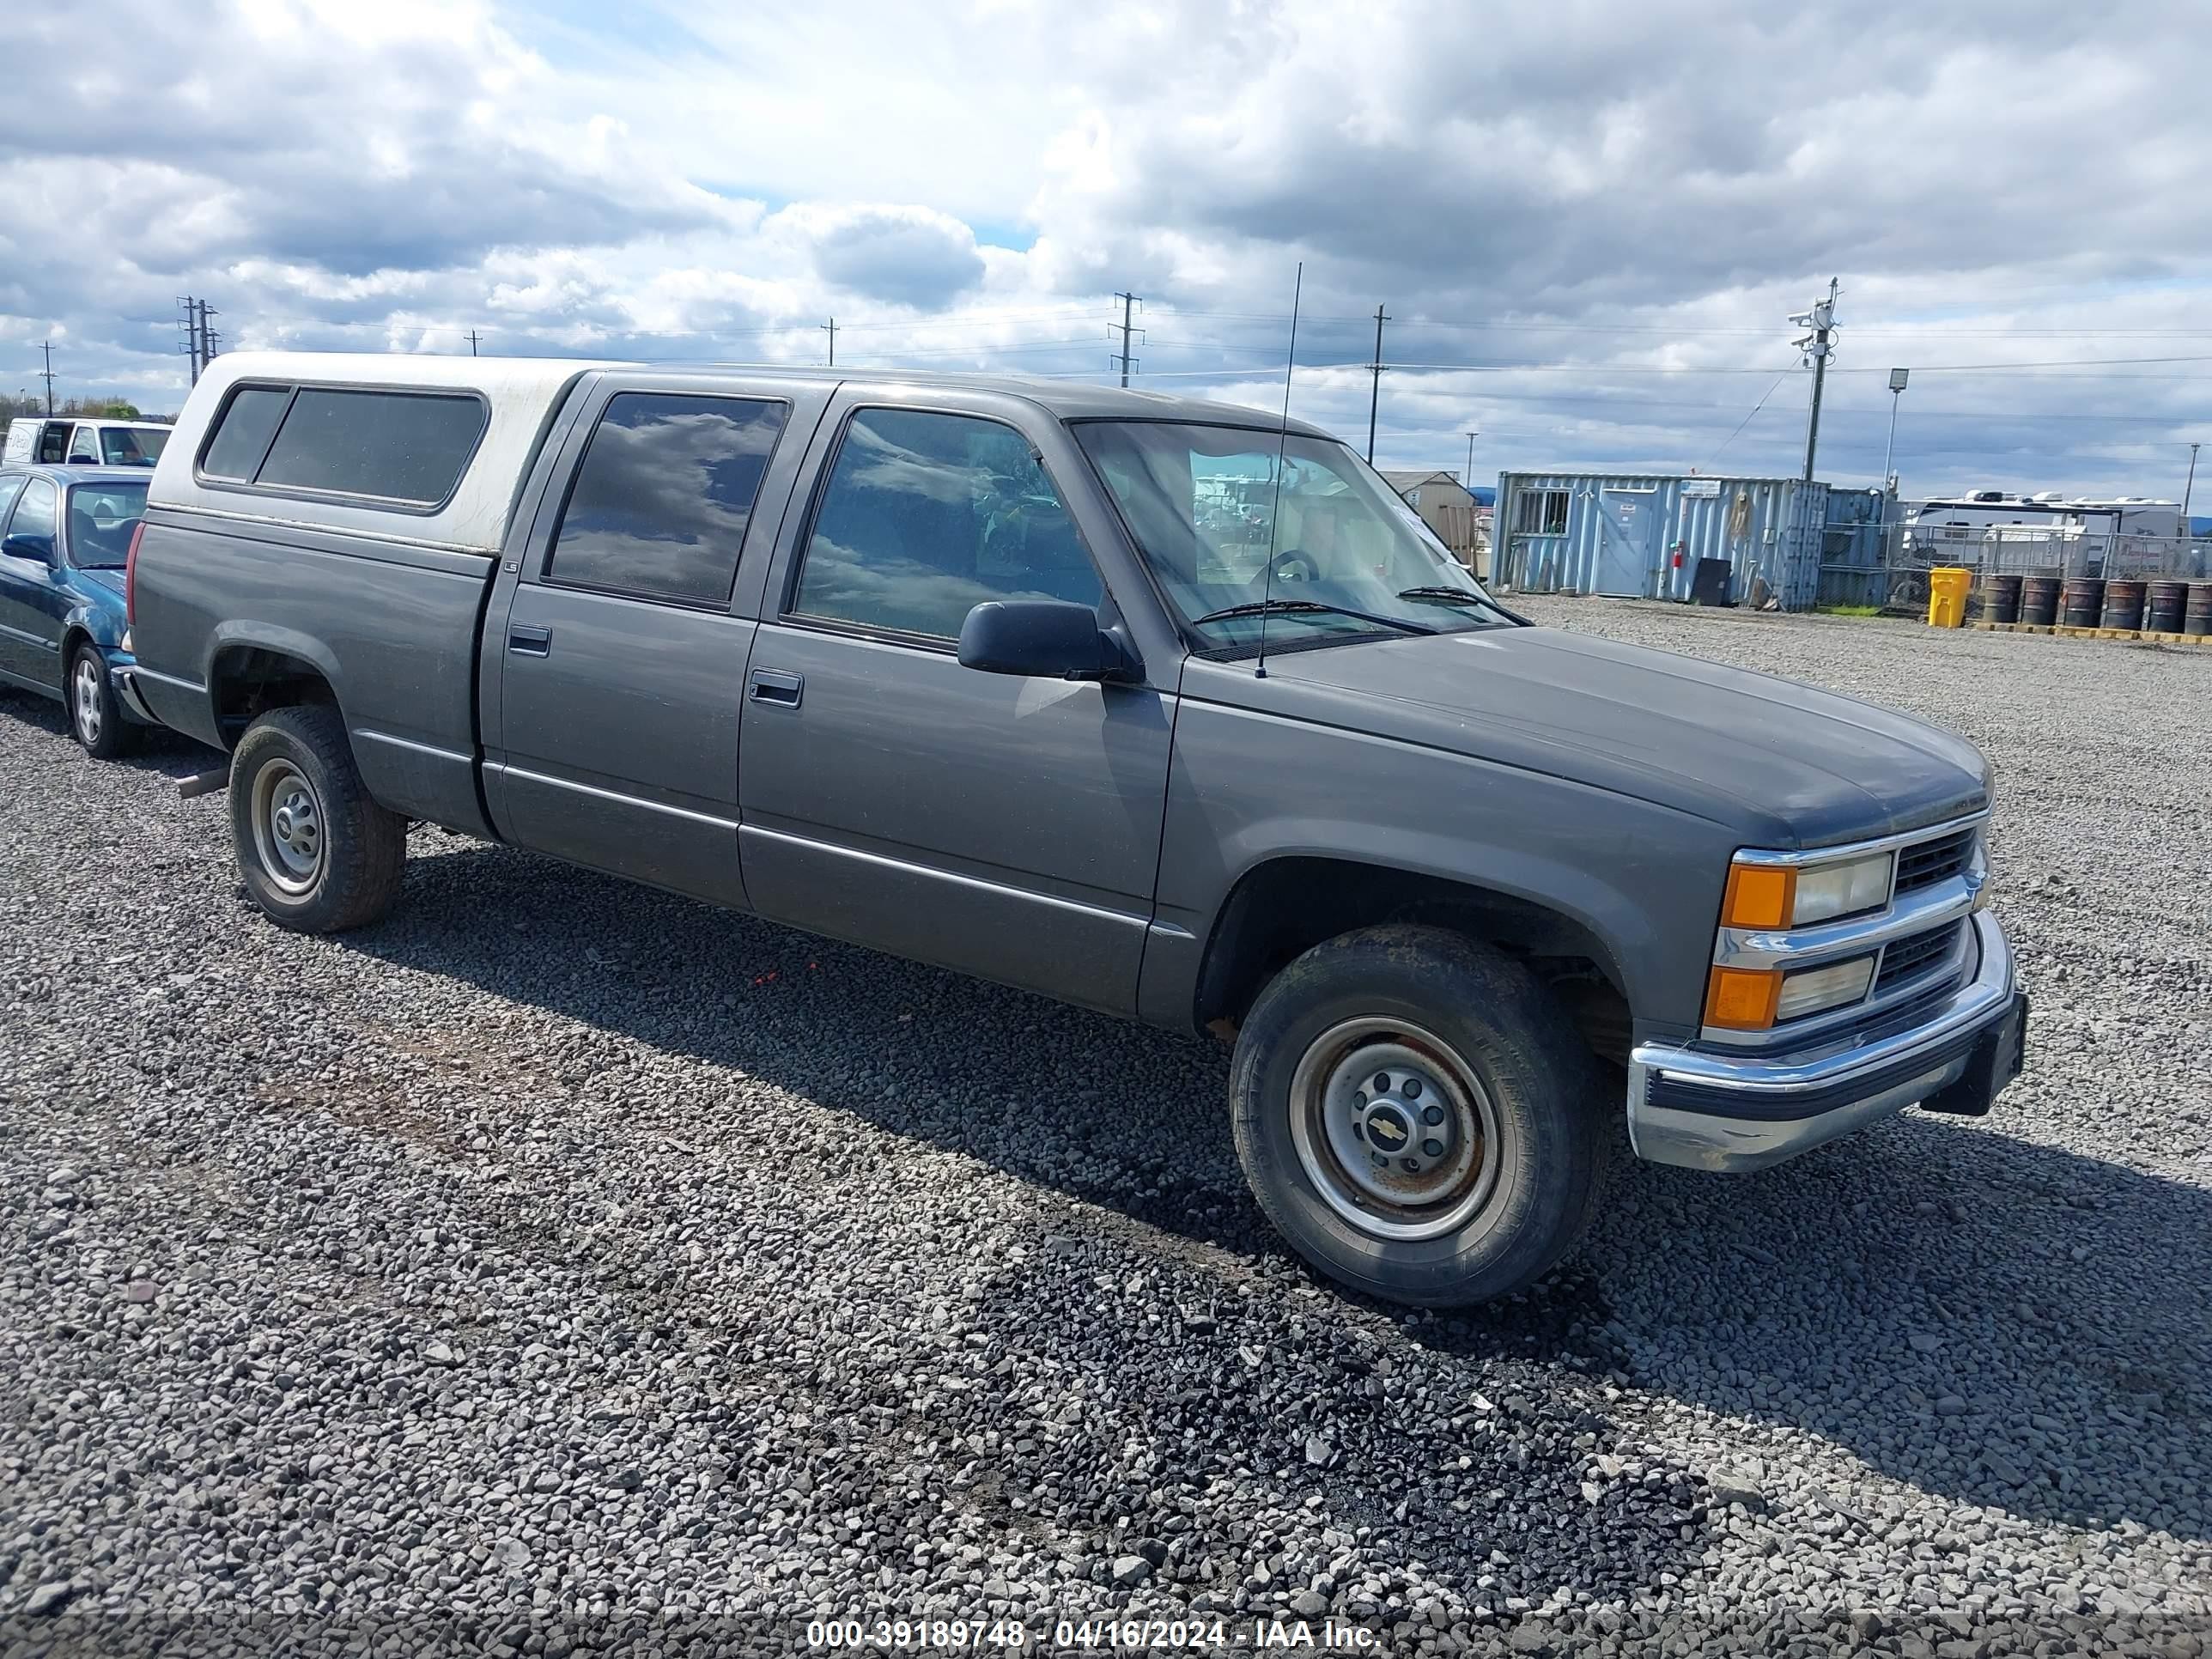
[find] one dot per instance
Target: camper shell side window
(401, 449)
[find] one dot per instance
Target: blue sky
(1589, 222)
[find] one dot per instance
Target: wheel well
(75, 636)
(1286, 907)
(248, 680)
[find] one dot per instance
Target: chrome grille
(1925, 863)
(1908, 959)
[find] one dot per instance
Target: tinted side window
(407, 447)
(242, 433)
(927, 516)
(663, 497)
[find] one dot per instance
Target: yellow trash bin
(1947, 595)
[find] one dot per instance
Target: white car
(89, 440)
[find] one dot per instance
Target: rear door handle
(772, 685)
(525, 640)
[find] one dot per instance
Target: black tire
(102, 730)
(1528, 1094)
(346, 873)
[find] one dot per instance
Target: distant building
(1448, 508)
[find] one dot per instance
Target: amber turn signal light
(1758, 895)
(1742, 999)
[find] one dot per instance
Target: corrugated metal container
(1854, 550)
(1641, 536)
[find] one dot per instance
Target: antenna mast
(1282, 444)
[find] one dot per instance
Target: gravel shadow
(1878, 1294)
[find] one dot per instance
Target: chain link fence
(1881, 565)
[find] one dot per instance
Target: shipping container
(1641, 536)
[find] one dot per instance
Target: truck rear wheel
(317, 853)
(1419, 1117)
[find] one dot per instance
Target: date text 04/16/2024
(1261, 1635)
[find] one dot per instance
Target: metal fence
(1876, 564)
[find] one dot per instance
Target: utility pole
(191, 347)
(207, 336)
(1375, 389)
(1471, 437)
(2187, 490)
(1127, 326)
(48, 376)
(831, 327)
(1818, 347)
(472, 343)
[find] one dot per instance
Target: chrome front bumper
(1709, 1110)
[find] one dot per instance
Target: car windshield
(1205, 509)
(130, 445)
(101, 517)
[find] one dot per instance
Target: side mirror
(39, 550)
(1041, 639)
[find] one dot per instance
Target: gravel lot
(563, 1266)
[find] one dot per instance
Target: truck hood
(1785, 765)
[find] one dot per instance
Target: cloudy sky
(1589, 221)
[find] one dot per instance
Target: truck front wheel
(1419, 1117)
(317, 853)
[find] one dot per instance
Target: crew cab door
(1003, 826)
(611, 719)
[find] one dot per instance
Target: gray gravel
(562, 1266)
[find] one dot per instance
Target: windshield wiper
(1448, 595)
(1277, 607)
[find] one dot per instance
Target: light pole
(2189, 489)
(1897, 379)
(1471, 437)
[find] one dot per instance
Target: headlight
(1787, 895)
(1809, 990)
(1828, 891)
(1760, 998)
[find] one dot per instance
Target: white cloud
(1611, 190)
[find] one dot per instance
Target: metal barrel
(2197, 619)
(1997, 599)
(2162, 612)
(2124, 604)
(2084, 602)
(2038, 600)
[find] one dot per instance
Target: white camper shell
(430, 451)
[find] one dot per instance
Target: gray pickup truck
(1154, 705)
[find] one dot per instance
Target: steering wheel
(1293, 564)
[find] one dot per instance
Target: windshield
(1201, 502)
(123, 446)
(101, 517)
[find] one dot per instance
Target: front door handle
(525, 640)
(772, 685)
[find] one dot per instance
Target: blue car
(64, 542)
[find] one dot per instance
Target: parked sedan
(65, 540)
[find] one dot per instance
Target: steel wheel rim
(287, 827)
(1398, 1163)
(85, 682)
